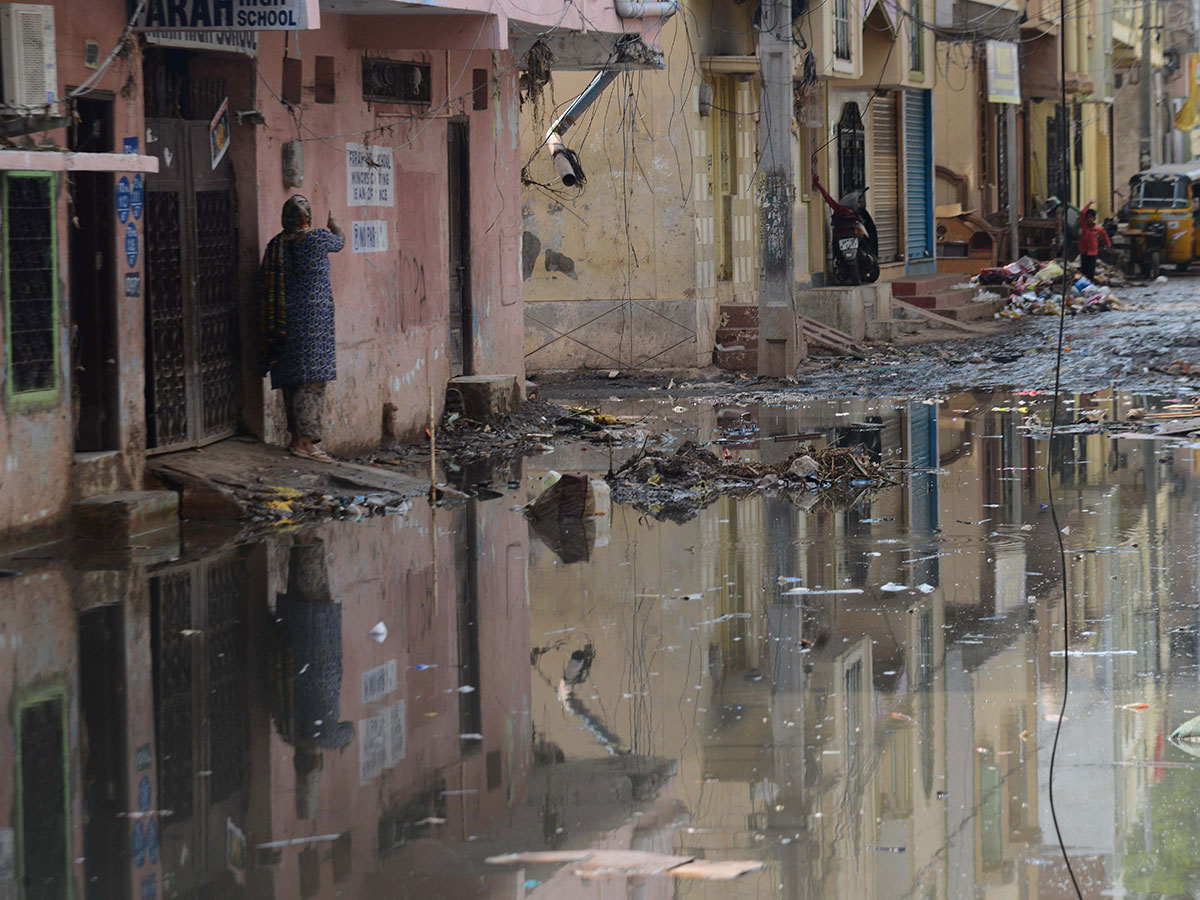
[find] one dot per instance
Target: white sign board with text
(225, 15)
(370, 236)
(370, 179)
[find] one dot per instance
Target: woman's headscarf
(272, 305)
(297, 215)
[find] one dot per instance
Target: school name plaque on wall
(226, 15)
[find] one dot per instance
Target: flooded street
(860, 699)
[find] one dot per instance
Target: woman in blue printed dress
(296, 322)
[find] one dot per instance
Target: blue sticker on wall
(123, 199)
(130, 145)
(152, 841)
(149, 887)
(137, 844)
(144, 794)
(131, 244)
(143, 754)
(137, 197)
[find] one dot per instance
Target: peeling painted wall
(392, 307)
(37, 442)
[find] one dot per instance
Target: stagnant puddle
(860, 700)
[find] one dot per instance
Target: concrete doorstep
(242, 478)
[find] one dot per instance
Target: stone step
(98, 473)
(942, 299)
(736, 360)
(924, 285)
(904, 325)
(747, 338)
(969, 312)
(738, 315)
(486, 398)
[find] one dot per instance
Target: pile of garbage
(1036, 289)
(676, 486)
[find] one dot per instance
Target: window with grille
(841, 29)
(30, 283)
(916, 36)
(393, 81)
(852, 150)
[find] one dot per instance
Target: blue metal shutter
(918, 211)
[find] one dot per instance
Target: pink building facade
(162, 171)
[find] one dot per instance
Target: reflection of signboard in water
(369, 180)
(244, 42)
(379, 681)
(382, 742)
(218, 133)
(235, 849)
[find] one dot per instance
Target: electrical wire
(1062, 550)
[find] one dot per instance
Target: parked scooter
(855, 251)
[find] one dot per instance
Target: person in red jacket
(1090, 237)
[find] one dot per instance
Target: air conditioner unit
(27, 58)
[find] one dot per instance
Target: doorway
(192, 348)
(94, 373)
(459, 190)
(105, 779)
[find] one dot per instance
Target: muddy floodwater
(860, 699)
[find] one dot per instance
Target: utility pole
(1147, 142)
(780, 343)
(1010, 175)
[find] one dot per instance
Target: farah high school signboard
(229, 15)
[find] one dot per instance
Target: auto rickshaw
(1164, 217)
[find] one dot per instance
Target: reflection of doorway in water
(466, 601)
(199, 634)
(105, 761)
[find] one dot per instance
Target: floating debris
(676, 486)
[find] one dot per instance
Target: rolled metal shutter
(917, 174)
(885, 175)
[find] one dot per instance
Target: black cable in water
(1062, 324)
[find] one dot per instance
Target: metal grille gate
(192, 381)
(200, 633)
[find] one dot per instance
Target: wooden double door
(192, 347)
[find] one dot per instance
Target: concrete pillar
(779, 338)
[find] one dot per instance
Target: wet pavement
(861, 699)
(1139, 348)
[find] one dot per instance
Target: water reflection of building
(165, 742)
(441, 747)
(715, 714)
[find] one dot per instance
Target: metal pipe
(646, 9)
(576, 108)
(562, 162)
